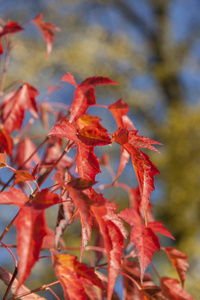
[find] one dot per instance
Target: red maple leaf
(46, 30)
(3, 160)
(88, 120)
(172, 289)
(86, 160)
(113, 233)
(159, 227)
(178, 260)
(44, 199)
(13, 196)
(24, 149)
(84, 95)
(22, 176)
(92, 136)
(15, 104)
(145, 170)
(83, 203)
(144, 239)
(73, 275)
(119, 109)
(6, 141)
(130, 270)
(31, 229)
(9, 28)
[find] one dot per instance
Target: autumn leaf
(80, 183)
(15, 104)
(91, 136)
(141, 142)
(97, 80)
(22, 176)
(83, 203)
(73, 275)
(70, 79)
(113, 233)
(145, 170)
(10, 28)
(86, 160)
(3, 160)
(146, 243)
(119, 109)
(178, 260)
(46, 30)
(24, 149)
(44, 199)
(130, 269)
(172, 290)
(13, 196)
(159, 227)
(31, 229)
(88, 120)
(144, 239)
(84, 95)
(6, 141)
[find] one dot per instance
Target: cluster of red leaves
(122, 248)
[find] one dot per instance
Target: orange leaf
(87, 120)
(86, 160)
(6, 141)
(91, 136)
(73, 274)
(22, 176)
(3, 161)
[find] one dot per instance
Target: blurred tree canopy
(152, 49)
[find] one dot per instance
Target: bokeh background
(152, 49)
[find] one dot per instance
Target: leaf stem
(5, 246)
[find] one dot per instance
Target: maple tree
(126, 240)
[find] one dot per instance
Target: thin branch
(8, 227)
(7, 183)
(44, 287)
(11, 282)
